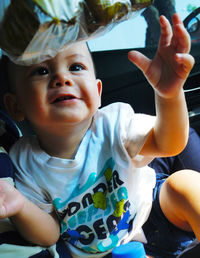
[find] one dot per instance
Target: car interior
(123, 81)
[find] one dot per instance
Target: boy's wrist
(21, 206)
(180, 96)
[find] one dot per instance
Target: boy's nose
(61, 80)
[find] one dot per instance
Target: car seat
(10, 240)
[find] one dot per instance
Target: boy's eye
(40, 71)
(76, 67)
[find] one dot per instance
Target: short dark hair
(4, 62)
(95, 72)
(4, 79)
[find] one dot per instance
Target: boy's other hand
(11, 200)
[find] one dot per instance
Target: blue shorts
(164, 239)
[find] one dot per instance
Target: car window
(123, 81)
(143, 30)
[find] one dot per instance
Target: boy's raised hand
(11, 200)
(172, 63)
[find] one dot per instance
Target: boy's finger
(181, 39)
(176, 19)
(2, 208)
(166, 32)
(3, 214)
(186, 61)
(140, 60)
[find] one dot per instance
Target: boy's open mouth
(63, 98)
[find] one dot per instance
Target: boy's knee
(183, 185)
(183, 180)
(177, 196)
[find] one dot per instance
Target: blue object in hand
(129, 250)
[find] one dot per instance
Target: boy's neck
(62, 145)
(62, 148)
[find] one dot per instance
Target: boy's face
(62, 89)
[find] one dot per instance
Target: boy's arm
(32, 223)
(167, 73)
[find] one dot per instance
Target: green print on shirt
(99, 213)
(108, 174)
(119, 208)
(92, 179)
(99, 200)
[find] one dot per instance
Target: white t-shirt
(102, 197)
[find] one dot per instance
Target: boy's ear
(11, 104)
(99, 88)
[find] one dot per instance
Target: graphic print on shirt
(97, 214)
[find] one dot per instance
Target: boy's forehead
(80, 45)
(78, 48)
